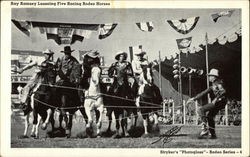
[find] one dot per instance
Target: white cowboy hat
(92, 54)
(213, 72)
(48, 51)
(121, 53)
(139, 52)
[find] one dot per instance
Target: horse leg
(52, 120)
(145, 123)
(45, 123)
(155, 127)
(26, 123)
(70, 125)
(35, 121)
(109, 115)
(37, 126)
(60, 119)
(89, 114)
(124, 124)
(135, 117)
(82, 110)
(117, 114)
(63, 112)
(99, 122)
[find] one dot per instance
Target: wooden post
(196, 112)
(226, 114)
(173, 112)
(164, 109)
(207, 68)
(184, 112)
(160, 83)
(181, 97)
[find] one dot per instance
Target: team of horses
(49, 96)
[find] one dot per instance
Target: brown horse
(70, 98)
(120, 90)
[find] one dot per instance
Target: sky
(162, 38)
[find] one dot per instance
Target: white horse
(94, 101)
(149, 95)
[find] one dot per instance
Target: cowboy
(38, 64)
(121, 70)
(121, 65)
(137, 66)
(64, 66)
(218, 102)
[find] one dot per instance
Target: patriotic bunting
(23, 26)
(65, 33)
(216, 16)
(106, 30)
(184, 44)
(133, 50)
(184, 26)
(145, 26)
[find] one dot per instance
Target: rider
(64, 66)
(121, 66)
(35, 63)
(137, 69)
(218, 103)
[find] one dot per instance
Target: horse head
(95, 74)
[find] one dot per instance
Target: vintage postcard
(123, 78)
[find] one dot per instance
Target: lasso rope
(108, 95)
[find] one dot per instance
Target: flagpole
(207, 68)
(180, 78)
(160, 83)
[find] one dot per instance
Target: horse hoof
(36, 137)
(98, 135)
(89, 132)
(44, 126)
(116, 136)
(23, 136)
(145, 136)
(32, 135)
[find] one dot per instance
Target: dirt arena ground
(228, 137)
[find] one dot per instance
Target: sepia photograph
(91, 75)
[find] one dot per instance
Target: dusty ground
(228, 137)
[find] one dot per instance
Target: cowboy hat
(92, 54)
(213, 72)
(121, 53)
(67, 49)
(48, 51)
(140, 52)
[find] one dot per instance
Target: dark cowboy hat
(67, 49)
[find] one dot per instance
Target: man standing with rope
(219, 101)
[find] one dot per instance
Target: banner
(66, 33)
(145, 26)
(184, 43)
(216, 16)
(106, 30)
(184, 26)
(23, 26)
